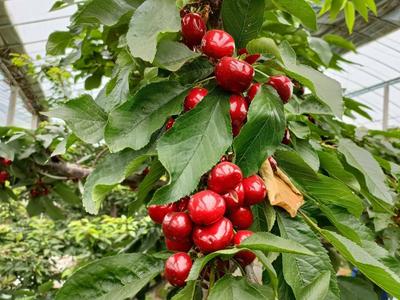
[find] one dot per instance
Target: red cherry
(194, 97)
(177, 226)
(217, 44)
(224, 177)
(234, 198)
(3, 176)
(206, 207)
(5, 162)
(241, 218)
(158, 212)
(286, 137)
(193, 29)
(34, 193)
(253, 90)
(273, 163)
(238, 109)
(170, 123)
(245, 257)
(283, 85)
(213, 237)
(177, 268)
(236, 129)
(181, 205)
(183, 245)
(250, 58)
(254, 190)
(234, 75)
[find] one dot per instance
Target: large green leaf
(194, 71)
(300, 9)
(243, 19)
(376, 271)
(307, 153)
(239, 288)
(188, 292)
(363, 161)
(58, 41)
(173, 55)
(149, 20)
(303, 272)
(132, 124)
(322, 49)
(356, 288)
(112, 278)
(262, 133)
(325, 88)
(112, 170)
(83, 116)
(193, 145)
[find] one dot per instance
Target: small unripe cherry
(241, 217)
(283, 85)
(217, 44)
(234, 198)
(194, 97)
(193, 29)
(206, 207)
(177, 226)
(177, 268)
(234, 75)
(238, 109)
(286, 137)
(158, 212)
(245, 257)
(182, 245)
(252, 92)
(224, 177)
(254, 190)
(170, 123)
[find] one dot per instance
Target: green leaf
(307, 153)
(336, 7)
(173, 55)
(305, 273)
(300, 9)
(367, 264)
(162, 15)
(363, 161)
(83, 116)
(267, 242)
(66, 193)
(372, 6)
(239, 288)
(326, 89)
(360, 6)
(112, 170)
(263, 45)
(300, 129)
(262, 133)
(112, 278)
(322, 49)
(188, 292)
(132, 124)
(58, 41)
(356, 288)
(194, 71)
(156, 171)
(350, 15)
(339, 41)
(243, 19)
(63, 146)
(193, 145)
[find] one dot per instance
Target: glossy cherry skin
(177, 268)
(217, 44)
(238, 109)
(177, 226)
(213, 237)
(183, 245)
(234, 198)
(158, 212)
(194, 97)
(241, 218)
(236, 129)
(3, 176)
(224, 177)
(181, 205)
(254, 190)
(170, 123)
(252, 92)
(193, 29)
(283, 85)
(245, 257)
(5, 162)
(206, 207)
(234, 75)
(286, 137)
(250, 58)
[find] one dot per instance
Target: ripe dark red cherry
(193, 29)
(224, 177)
(170, 123)
(5, 162)
(283, 85)
(206, 207)
(183, 245)
(286, 137)
(158, 212)
(194, 97)
(182, 204)
(252, 92)
(238, 110)
(34, 193)
(241, 218)
(234, 198)
(217, 44)
(177, 226)
(213, 237)
(254, 190)
(234, 75)
(245, 257)
(177, 268)
(3, 176)
(250, 58)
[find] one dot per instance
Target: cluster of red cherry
(4, 175)
(39, 189)
(207, 219)
(232, 74)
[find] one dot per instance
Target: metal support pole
(11, 106)
(34, 122)
(385, 118)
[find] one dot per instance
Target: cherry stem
(205, 80)
(262, 73)
(211, 282)
(239, 266)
